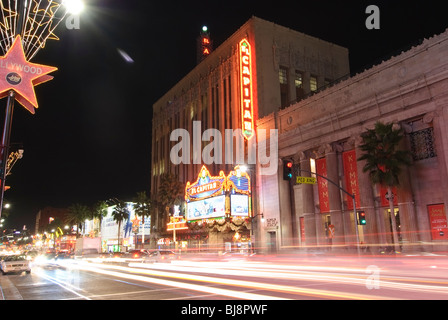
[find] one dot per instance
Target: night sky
(90, 139)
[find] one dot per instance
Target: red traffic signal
(287, 170)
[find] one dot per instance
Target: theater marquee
(211, 197)
(246, 89)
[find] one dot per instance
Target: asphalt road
(256, 279)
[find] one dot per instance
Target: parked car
(15, 263)
(64, 254)
(138, 254)
(161, 255)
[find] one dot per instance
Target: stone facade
(410, 90)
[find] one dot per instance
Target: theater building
(260, 69)
(322, 134)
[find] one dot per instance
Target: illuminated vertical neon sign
(246, 89)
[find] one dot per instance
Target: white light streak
(63, 284)
(125, 56)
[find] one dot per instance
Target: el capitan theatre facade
(218, 211)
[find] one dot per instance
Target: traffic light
(362, 218)
(287, 170)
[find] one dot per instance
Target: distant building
(45, 216)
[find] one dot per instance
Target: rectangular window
(298, 83)
(298, 80)
(313, 84)
(422, 144)
(283, 75)
(284, 94)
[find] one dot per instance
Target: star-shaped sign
(20, 75)
(135, 221)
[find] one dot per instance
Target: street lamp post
(8, 114)
(32, 22)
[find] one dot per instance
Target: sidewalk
(7, 290)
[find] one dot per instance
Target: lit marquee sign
(206, 197)
(246, 89)
(206, 186)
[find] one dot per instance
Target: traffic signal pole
(352, 195)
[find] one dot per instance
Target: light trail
(252, 270)
(295, 290)
(62, 284)
(194, 287)
(239, 274)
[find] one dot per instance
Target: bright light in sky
(125, 56)
(74, 6)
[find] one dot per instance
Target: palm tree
(77, 214)
(99, 211)
(120, 213)
(170, 189)
(142, 208)
(384, 161)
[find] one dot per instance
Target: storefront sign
(438, 221)
(322, 184)
(176, 223)
(246, 89)
(351, 178)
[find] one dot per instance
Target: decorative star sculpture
(20, 75)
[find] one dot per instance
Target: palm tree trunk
(392, 219)
(143, 232)
(119, 227)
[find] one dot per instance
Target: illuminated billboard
(208, 208)
(246, 89)
(239, 205)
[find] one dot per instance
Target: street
(296, 277)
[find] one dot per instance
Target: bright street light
(74, 6)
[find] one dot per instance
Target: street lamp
(259, 214)
(73, 6)
(25, 26)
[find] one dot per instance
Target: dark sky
(90, 139)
